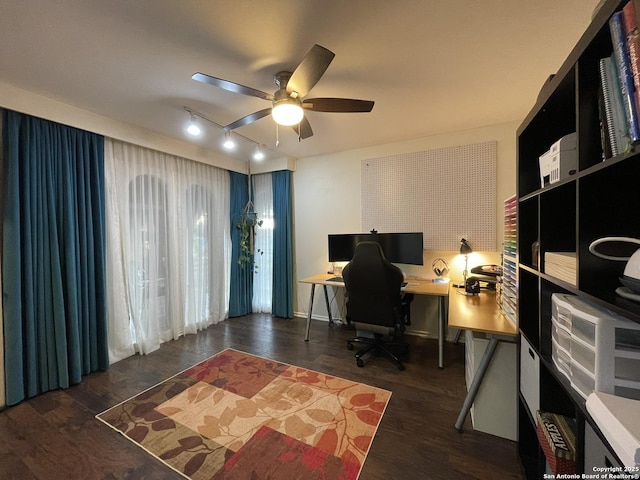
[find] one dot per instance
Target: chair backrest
(373, 286)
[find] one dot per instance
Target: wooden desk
(479, 313)
(417, 287)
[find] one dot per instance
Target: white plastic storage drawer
(561, 335)
(529, 376)
(561, 313)
(604, 353)
(584, 355)
(584, 328)
(628, 369)
(628, 339)
(582, 381)
(561, 359)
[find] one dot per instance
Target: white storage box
(529, 376)
(604, 348)
(619, 420)
(596, 454)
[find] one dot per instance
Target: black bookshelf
(597, 201)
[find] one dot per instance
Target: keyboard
(335, 279)
(341, 280)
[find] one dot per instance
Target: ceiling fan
(288, 102)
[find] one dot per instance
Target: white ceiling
(431, 66)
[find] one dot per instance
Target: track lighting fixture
(193, 128)
(258, 154)
(229, 144)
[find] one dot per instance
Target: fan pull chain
(277, 135)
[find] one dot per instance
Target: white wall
(37, 105)
(327, 199)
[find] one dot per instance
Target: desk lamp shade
(465, 248)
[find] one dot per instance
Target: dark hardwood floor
(56, 435)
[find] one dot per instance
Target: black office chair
(374, 302)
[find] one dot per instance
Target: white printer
(560, 161)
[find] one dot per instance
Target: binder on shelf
(612, 97)
(630, 23)
(625, 76)
(604, 115)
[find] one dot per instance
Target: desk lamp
(465, 249)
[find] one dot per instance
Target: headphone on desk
(440, 267)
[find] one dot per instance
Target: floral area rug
(239, 416)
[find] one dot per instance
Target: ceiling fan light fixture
(286, 111)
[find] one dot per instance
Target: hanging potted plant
(247, 224)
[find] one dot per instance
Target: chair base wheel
(377, 347)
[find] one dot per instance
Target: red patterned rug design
(240, 416)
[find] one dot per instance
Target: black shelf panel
(529, 317)
(531, 456)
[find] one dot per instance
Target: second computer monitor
(397, 247)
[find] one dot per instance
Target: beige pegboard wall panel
(447, 193)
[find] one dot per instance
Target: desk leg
(313, 289)
(442, 328)
(477, 381)
(326, 301)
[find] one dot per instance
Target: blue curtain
(282, 304)
(241, 287)
(53, 256)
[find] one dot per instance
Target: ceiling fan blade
(339, 105)
(231, 87)
(312, 67)
(248, 119)
(305, 128)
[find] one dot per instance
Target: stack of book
(619, 99)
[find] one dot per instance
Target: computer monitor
(397, 247)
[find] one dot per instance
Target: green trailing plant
(247, 224)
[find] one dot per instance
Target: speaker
(472, 285)
(440, 267)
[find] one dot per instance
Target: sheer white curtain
(263, 243)
(168, 247)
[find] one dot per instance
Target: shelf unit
(567, 216)
(508, 292)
